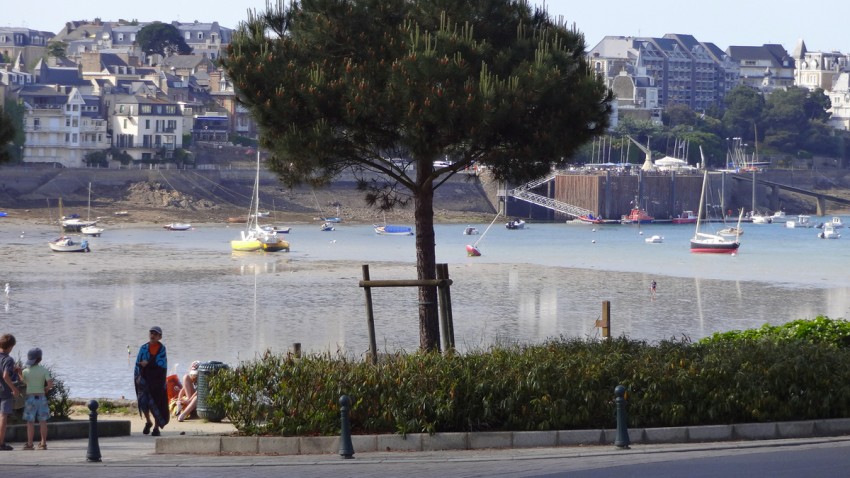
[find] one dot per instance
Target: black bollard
(346, 449)
(93, 452)
(622, 440)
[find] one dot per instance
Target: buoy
(593, 241)
(593, 230)
(640, 233)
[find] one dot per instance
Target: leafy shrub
(821, 329)
(58, 398)
(788, 373)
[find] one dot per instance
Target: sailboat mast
(701, 200)
(485, 230)
(754, 192)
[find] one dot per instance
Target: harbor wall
(662, 195)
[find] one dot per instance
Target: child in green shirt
(38, 382)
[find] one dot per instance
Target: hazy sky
(723, 22)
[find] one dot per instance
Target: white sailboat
(255, 237)
(711, 243)
(91, 230)
(64, 243)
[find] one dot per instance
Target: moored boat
(177, 226)
(470, 231)
(392, 230)
(256, 237)
(711, 243)
(93, 231)
(74, 224)
(757, 218)
(829, 232)
(687, 217)
(731, 231)
(778, 216)
(64, 243)
(654, 239)
(637, 216)
(68, 244)
(835, 222)
(515, 224)
(802, 221)
(592, 219)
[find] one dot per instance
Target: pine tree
(346, 84)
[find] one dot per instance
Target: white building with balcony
(61, 125)
(145, 127)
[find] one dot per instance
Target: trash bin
(205, 371)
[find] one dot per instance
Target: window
(145, 109)
(36, 123)
(170, 109)
(67, 121)
(67, 137)
(120, 37)
(200, 35)
(121, 108)
(74, 138)
(187, 36)
(147, 124)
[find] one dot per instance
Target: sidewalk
(204, 440)
(143, 455)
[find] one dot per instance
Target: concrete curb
(423, 442)
(70, 430)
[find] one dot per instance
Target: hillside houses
(108, 96)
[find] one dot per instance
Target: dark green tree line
(163, 39)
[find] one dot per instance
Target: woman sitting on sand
(187, 399)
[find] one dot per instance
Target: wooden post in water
(370, 318)
(605, 322)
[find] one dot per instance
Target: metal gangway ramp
(524, 193)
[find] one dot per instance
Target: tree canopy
(7, 136)
(162, 39)
(57, 49)
(347, 84)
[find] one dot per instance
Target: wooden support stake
(370, 317)
(443, 273)
(441, 302)
(605, 322)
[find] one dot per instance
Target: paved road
(134, 456)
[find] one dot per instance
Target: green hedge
(562, 384)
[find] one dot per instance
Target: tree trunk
(426, 268)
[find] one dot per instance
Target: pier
(566, 195)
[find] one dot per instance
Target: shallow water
(86, 311)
